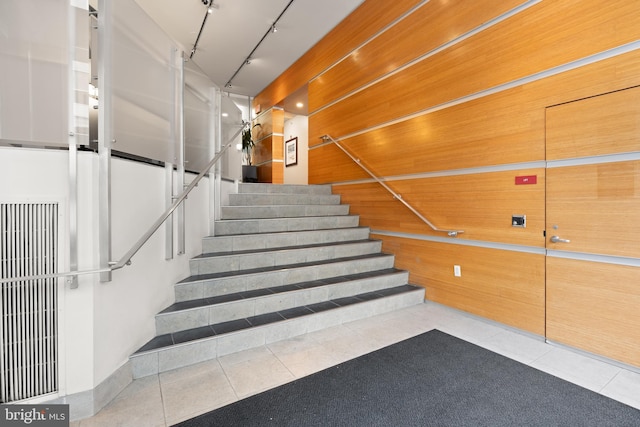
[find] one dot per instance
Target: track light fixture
(210, 6)
(272, 29)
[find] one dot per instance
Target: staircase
(285, 260)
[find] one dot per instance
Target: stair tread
(282, 248)
(281, 205)
(266, 188)
(208, 276)
(311, 217)
(203, 302)
(280, 233)
(167, 340)
(350, 279)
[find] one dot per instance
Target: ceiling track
(247, 60)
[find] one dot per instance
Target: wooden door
(593, 225)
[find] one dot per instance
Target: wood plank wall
(268, 152)
(366, 21)
(447, 101)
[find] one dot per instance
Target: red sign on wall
(525, 180)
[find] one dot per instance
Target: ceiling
(236, 27)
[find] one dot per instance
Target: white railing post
(105, 134)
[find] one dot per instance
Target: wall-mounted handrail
(54, 275)
(450, 233)
(126, 258)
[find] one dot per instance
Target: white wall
(124, 308)
(102, 324)
(34, 175)
(298, 126)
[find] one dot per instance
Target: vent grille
(29, 324)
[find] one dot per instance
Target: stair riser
(238, 262)
(154, 362)
(227, 285)
(283, 188)
(194, 318)
(245, 212)
(283, 199)
(279, 240)
(277, 225)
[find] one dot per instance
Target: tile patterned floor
(174, 396)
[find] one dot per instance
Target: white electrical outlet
(457, 271)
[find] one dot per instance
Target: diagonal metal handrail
(450, 233)
(126, 258)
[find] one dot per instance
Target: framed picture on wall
(291, 152)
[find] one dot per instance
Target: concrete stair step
(283, 188)
(282, 211)
(245, 260)
(275, 225)
(222, 283)
(218, 244)
(175, 350)
(267, 199)
(285, 260)
(224, 308)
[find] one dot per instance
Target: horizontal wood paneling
(277, 173)
(498, 129)
(512, 49)
(594, 307)
(265, 172)
(269, 122)
(507, 127)
(267, 130)
(597, 207)
(262, 126)
(263, 150)
(504, 286)
(277, 149)
(278, 120)
(269, 149)
(355, 29)
(605, 124)
(403, 43)
(479, 204)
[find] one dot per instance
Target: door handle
(557, 239)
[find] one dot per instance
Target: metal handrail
(126, 258)
(450, 233)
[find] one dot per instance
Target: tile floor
(171, 397)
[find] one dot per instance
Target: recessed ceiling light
(299, 105)
(225, 114)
